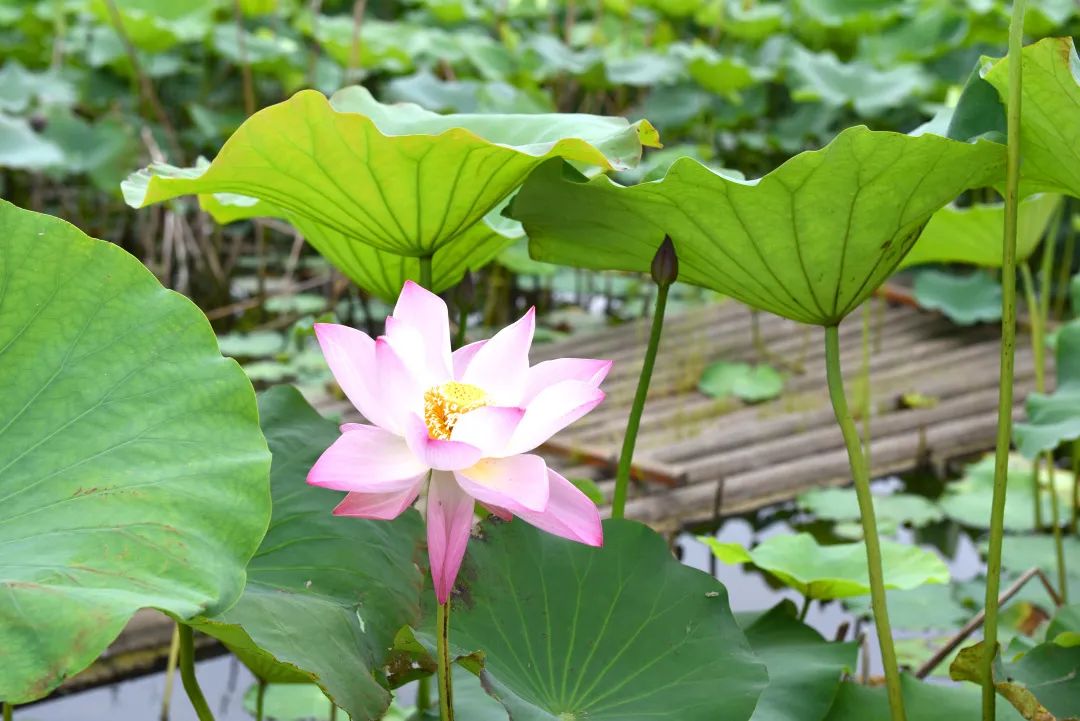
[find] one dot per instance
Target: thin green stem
(861, 475)
(1055, 520)
(1074, 521)
(805, 608)
(1008, 352)
(1038, 351)
(423, 696)
(187, 674)
(9, 711)
(260, 700)
(425, 271)
(170, 672)
(1065, 267)
(446, 688)
(864, 388)
(626, 456)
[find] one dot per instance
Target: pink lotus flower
(469, 418)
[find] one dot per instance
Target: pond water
(224, 680)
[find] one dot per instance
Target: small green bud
(665, 264)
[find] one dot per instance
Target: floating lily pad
(394, 177)
(809, 241)
(132, 470)
(892, 510)
(964, 299)
(742, 380)
(346, 585)
(837, 571)
(967, 500)
(621, 632)
(1054, 418)
(973, 234)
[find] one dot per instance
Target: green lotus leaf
(894, 509)
(22, 89)
(837, 571)
(973, 234)
(621, 632)
(804, 669)
(397, 177)
(1050, 114)
(346, 586)
(926, 608)
(809, 241)
(132, 469)
(157, 25)
(1066, 621)
(967, 500)
(377, 271)
(1042, 684)
(288, 702)
(821, 76)
(928, 33)
(21, 148)
(723, 379)
(1053, 418)
(964, 299)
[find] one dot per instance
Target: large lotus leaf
(917, 609)
(1042, 684)
(1050, 114)
(929, 33)
(837, 571)
(809, 241)
(967, 500)
(1065, 626)
(397, 177)
(922, 702)
(892, 511)
(377, 271)
(973, 234)
(804, 669)
(964, 299)
(821, 76)
(621, 632)
(325, 595)
(132, 469)
(22, 89)
(1055, 418)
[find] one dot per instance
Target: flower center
(445, 405)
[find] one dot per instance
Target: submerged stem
(861, 475)
(446, 689)
(626, 456)
(187, 674)
(1008, 348)
(425, 272)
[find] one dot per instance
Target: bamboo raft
(699, 458)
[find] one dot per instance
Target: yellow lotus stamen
(445, 405)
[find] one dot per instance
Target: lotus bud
(665, 264)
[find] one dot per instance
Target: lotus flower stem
(1008, 352)
(1055, 520)
(665, 269)
(1038, 351)
(425, 272)
(446, 688)
(861, 475)
(187, 674)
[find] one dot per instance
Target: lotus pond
(215, 213)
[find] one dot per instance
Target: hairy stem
(187, 674)
(1008, 352)
(626, 456)
(861, 476)
(446, 688)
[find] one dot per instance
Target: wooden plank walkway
(698, 458)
